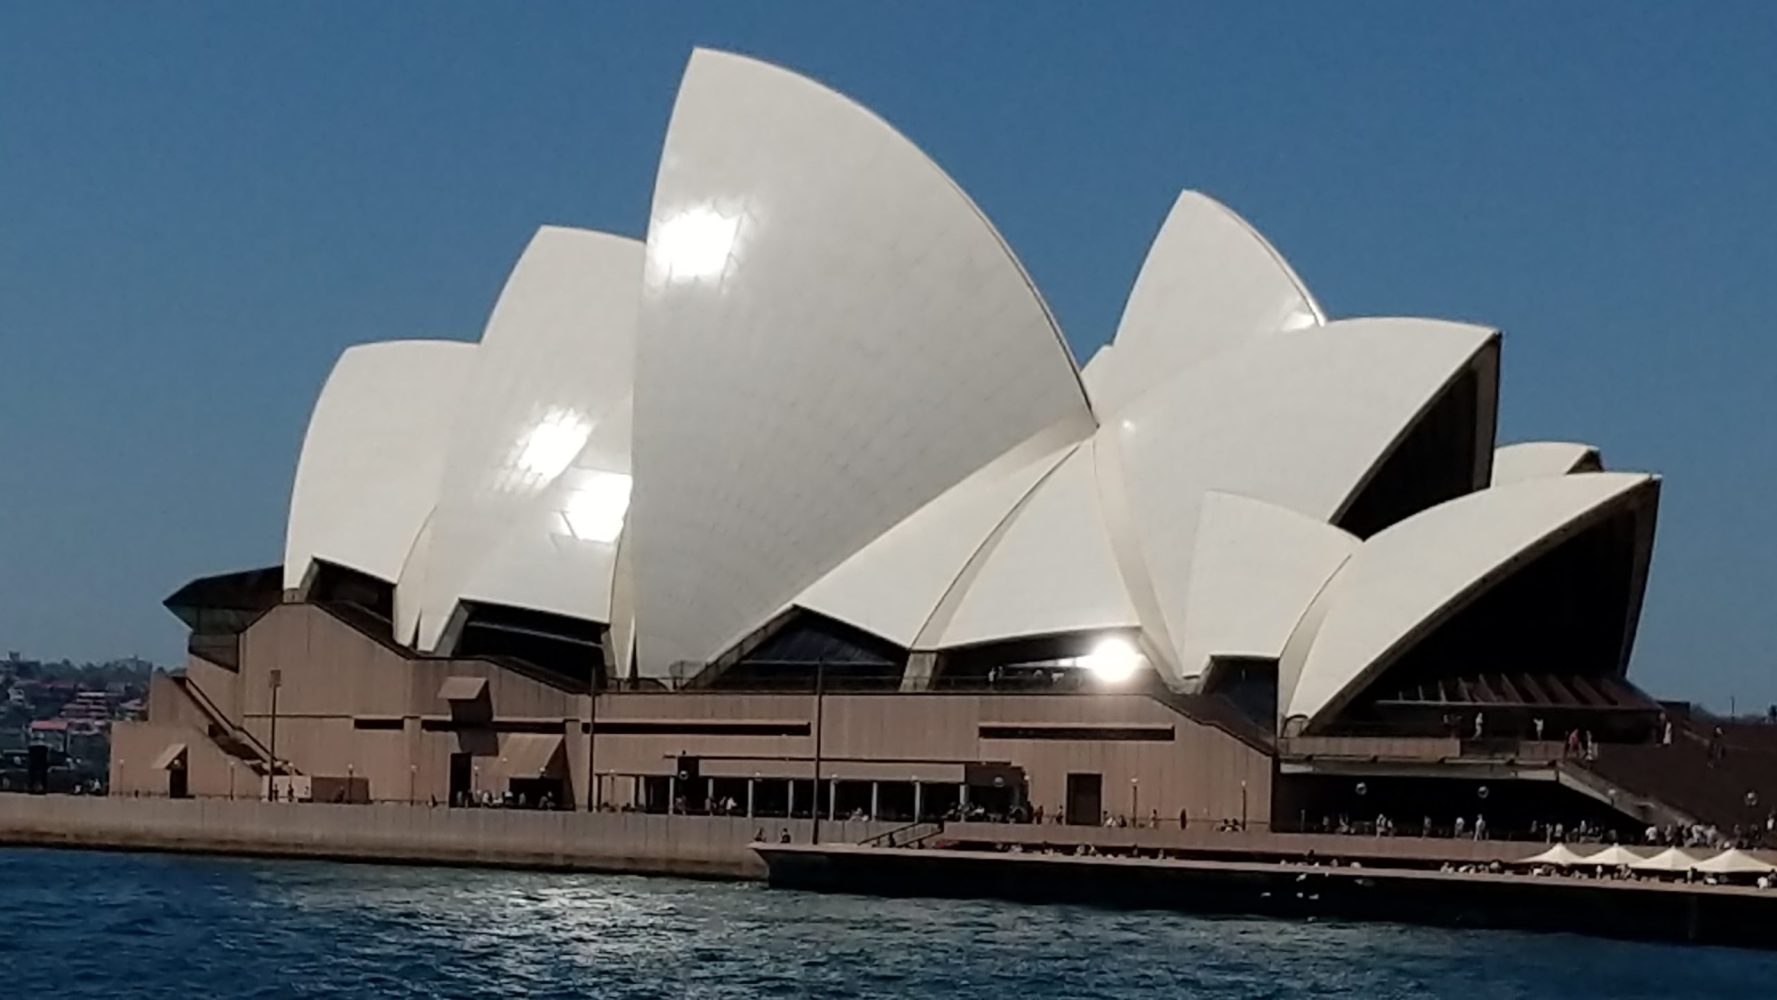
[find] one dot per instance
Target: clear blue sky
(202, 204)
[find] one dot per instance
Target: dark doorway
(178, 784)
(461, 774)
(1085, 799)
(37, 770)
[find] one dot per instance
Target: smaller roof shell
(1515, 463)
(1407, 578)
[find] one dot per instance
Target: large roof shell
(372, 456)
(1210, 283)
(554, 366)
(832, 336)
(1300, 420)
(1408, 578)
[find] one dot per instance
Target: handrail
(202, 700)
(892, 838)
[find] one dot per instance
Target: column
(918, 675)
(672, 792)
(750, 783)
(832, 798)
(917, 814)
(790, 800)
(875, 798)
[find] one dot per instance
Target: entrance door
(178, 785)
(461, 775)
(1085, 799)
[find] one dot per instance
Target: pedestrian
(1480, 721)
(1538, 723)
(1460, 826)
(1480, 827)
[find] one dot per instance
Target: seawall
(695, 846)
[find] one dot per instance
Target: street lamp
(413, 774)
(820, 691)
(274, 680)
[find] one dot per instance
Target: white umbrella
(1734, 861)
(1613, 856)
(1560, 854)
(1669, 860)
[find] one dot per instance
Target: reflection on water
(115, 925)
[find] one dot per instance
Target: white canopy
(1734, 861)
(1669, 860)
(1613, 856)
(1560, 854)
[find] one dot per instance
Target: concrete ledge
(695, 846)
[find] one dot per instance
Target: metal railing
(911, 835)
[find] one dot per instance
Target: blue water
(118, 925)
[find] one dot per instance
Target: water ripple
(125, 926)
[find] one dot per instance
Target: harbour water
(82, 924)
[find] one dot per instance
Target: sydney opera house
(804, 503)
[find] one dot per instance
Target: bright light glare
(694, 244)
(1114, 660)
(1298, 319)
(548, 448)
(596, 510)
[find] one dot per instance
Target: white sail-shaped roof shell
(1408, 577)
(554, 364)
(1514, 463)
(892, 586)
(372, 456)
(1050, 571)
(831, 337)
(560, 554)
(1255, 569)
(1210, 283)
(1299, 420)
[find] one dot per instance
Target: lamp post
(413, 776)
(276, 680)
(820, 691)
(592, 739)
(1243, 805)
(231, 780)
(1134, 801)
